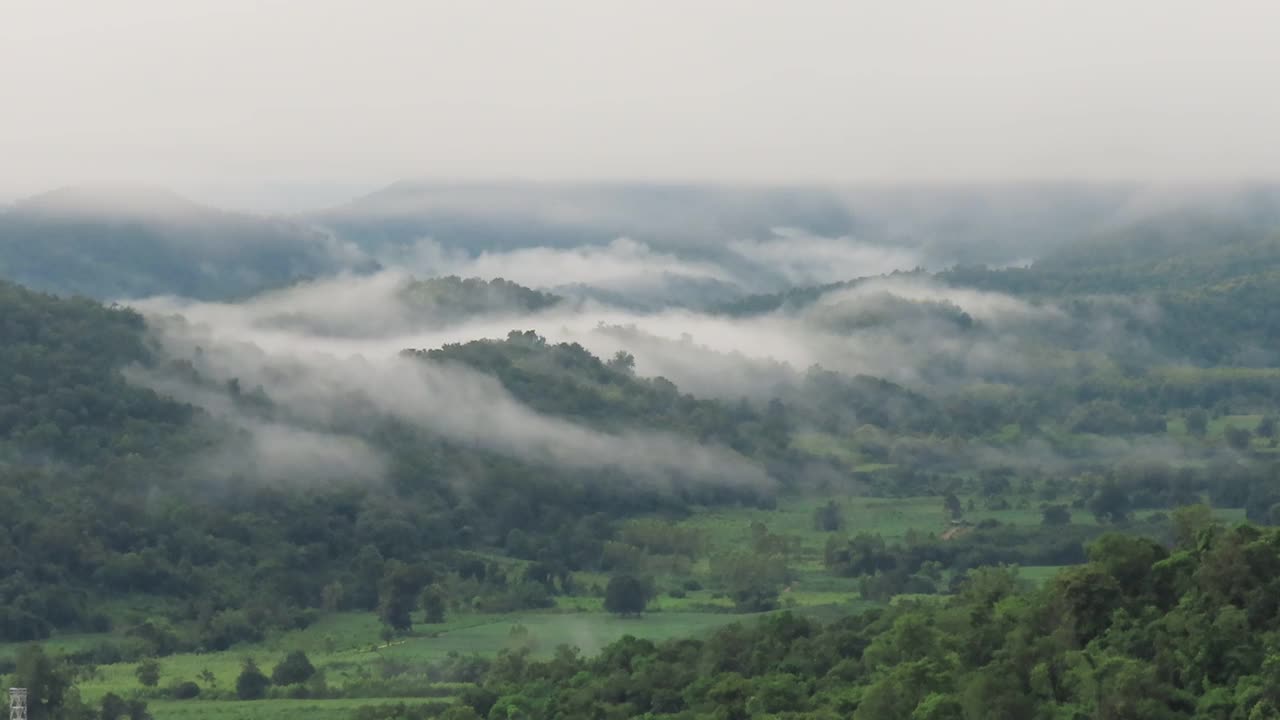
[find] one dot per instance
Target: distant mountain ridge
(119, 243)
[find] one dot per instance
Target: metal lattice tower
(17, 704)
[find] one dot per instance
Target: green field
(346, 647)
(337, 709)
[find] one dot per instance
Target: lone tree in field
(398, 593)
(1055, 515)
(828, 518)
(626, 595)
(252, 684)
(951, 504)
(293, 669)
(1237, 438)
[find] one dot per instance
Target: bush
(1055, 515)
(295, 668)
(252, 684)
(185, 690)
(148, 672)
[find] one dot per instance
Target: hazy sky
(241, 96)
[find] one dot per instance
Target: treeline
(456, 298)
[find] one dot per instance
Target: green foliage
(251, 683)
(1110, 503)
(752, 580)
(293, 669)
(1055, 515)
(457, 299)
(626, 595)
(114, 707)
(49, 683)
(1134, 633)
(828, 518)
(398, 593)
(433, 605)
(148, 673)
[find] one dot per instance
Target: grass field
(345, 645)
(339, 709)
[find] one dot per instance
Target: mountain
(116, 243)
(498, 216)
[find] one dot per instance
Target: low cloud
(804, 259)
(317, 389)
(621, 265)
(328, 355)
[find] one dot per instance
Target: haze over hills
(128, 242)
(645, 245)
(424, 410)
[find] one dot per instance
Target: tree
(622, 361)
(113, 707)
(951, 504)
(293, 669)
(626, 595)
(47, 684)
(433, 605)
(332, 596)
(1055, 515)
(1266, 427)
(828, 518)
(148, 672)
(752, 580)
(1188, 522)
(1110, 503)
(1238, 438)
(252, 683)
(396, 594)
(1197, 422)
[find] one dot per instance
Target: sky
(299, 101)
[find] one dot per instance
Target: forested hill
(63, 396)
(116, 490)
(1198, 293)
(112, 244)
(457, 298)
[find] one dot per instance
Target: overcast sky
(248, 96)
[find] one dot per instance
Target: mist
(318, 385)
